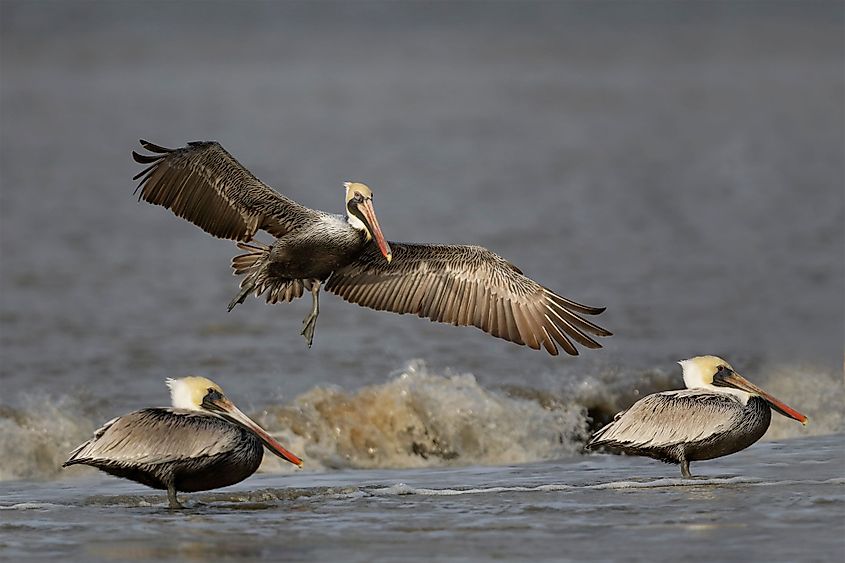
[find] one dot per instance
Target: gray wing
(206, 185)
(466, 285)
(669, 418)
(157, 435)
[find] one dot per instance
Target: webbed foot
(310, 323)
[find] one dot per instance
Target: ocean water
(777, 501)
(680, 164)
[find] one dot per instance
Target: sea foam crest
(420, 419)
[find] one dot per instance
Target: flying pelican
(458, 284)
(719, 413)
(203, 442)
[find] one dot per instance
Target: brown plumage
(456, 284)
(205, 185)
(203, 442)
(466, 285)
(719, 413)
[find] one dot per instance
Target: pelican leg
(241, 296)
(310, 321)
(171, 497)
(685, 468)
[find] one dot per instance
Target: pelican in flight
(203, 442)
(719, 413)
(457, 284)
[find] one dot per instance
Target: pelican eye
(212, 396)
(355, 202)
(721, 373)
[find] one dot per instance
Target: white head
(715, 374)
(188, 392)
(699, 371)
(196, 393)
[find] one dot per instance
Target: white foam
(403, 489)
(30, 506)
(399, 489)
(671, 482)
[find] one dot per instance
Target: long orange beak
(366, 208)
(739, 382)
(233, 413)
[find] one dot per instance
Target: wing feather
(157, 435)
(493, 319)
(205, 185)
(467, 285)
(552, 330)
(663, 420)
(524, 327)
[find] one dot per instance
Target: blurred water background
(681, 164)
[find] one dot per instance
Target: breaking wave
(423, 419)
(35, 438)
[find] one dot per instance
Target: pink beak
(233, 413)
(736, 380)
(366, 208)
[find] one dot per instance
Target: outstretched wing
(666, 419)
(157, 435)
(206, 185)
(466, 285)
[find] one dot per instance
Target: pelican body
(457, 284)
(719, 413)
(204, 442)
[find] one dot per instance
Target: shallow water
(759, 505)
(680, 164)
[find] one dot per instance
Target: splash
(419, 418)
(35, 439)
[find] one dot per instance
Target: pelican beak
(228, 410)
(366, 209)
(733, 379)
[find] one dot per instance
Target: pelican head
(714, 373)
(201, 394)
(362, 216)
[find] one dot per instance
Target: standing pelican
(203, 442)
(719, 413)
(457, 284)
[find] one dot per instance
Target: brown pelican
(203, 442)
(457, 284)
(719, 413)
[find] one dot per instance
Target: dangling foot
(310, 321)
(171, 497)
(239, 298)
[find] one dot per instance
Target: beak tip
(389, 257)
